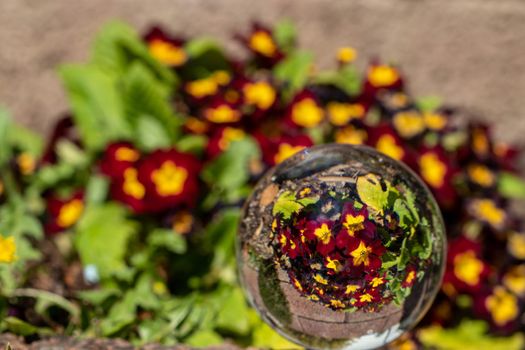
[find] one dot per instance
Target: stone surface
(470, 52)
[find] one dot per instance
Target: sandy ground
(468, 51)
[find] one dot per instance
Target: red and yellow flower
(276, 149)
(165, 48)
(305, 111)
(63, 213)
(117, 158)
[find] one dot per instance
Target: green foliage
(373, 193)
(287, 204)
(102, 237)
(293, 72)
(285, 35)
(469, 335)
(511, 186)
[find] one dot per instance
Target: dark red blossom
(276, 149)
(117, 158)
(262, 44)
(63, 212)
(167, 49)
(305, 111)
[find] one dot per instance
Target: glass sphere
(341, 247)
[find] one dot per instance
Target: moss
(271, 292)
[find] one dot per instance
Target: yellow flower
(260, 94)
(433, 170)
(202, 87)
(361, 254)
(320, 279)
(365, 298)
(228, 136)
(323, 233)
(435, 121)
(514, 280)
(126, 154)
(382, 75)
(486, 209)
(334, 264)
(297, 284)
(307, 113)
(410, 277)
(262, 42)
(169, 179)
(286, 151)
(387, 145)
(409, 124)
(7, 249)
(516, 245)
(350, 135)
(167, 53)
(196, 125)
(131, 186)
(351, 288)
(468, 268)
(377, 281)
(502, 305)
(222, 114)
(480, 142)
(70, 213)
(341, 113)
(481, 175)
(353, 224)
(26, 163)
(346, 54)
(337, 304)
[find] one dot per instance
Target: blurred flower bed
(122, 224)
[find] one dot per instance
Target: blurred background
(469, 52)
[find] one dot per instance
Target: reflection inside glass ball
(341, 247)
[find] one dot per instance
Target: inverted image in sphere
(341, 247)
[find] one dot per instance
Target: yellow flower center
(353, 224)
(260, 94)
(346, 54)
(228, 136)
(481, 175)
(435, 121)
(202, 87)
(377, 281)
(365, 298)
(410, 277)
(502, 305)
(126, 154)
(433, 170)
(488, 211)
(307, 113)
(323, 233)
(167, 53)
(382, 75)
(361, 254)
(516, 245)
(468, 268)
(351, 288)
(341, 113)
(182, 222)
(131, 186)
(320, 279)
(350, 135)
(7, 250)
(409, 124)
(514, 280)
(334, 264)
(337, 304)
(221, 77)
(286, 151)
(480, 143)
(70, 213)
(223, 114)
(297, 284)
(196, 125)
(26, 163)
(262, 42)
(169, 179)
(387, 145)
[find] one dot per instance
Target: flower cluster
(334, 247)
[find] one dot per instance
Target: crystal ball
(341, 247)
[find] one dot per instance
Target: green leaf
(230, 170)
(372, 193)
(469, 335)
(204, 338)
(102, 237)
(22, 328)
(511, 186)
(206, 56)
(45, 299)
(145, 97)
(265, 337)
(285, 35)
(429, 104)
(404, 255)
(346, 78)
(97, 106)
(26, 140)
(70, 153)
(121, 314)
(192, 143)
(287, 204)
(98, 296)
(5, 148)
(164, 238)
(233, 315)
(117, 46)
(97, 189)
(293, 71)
(151, 134)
